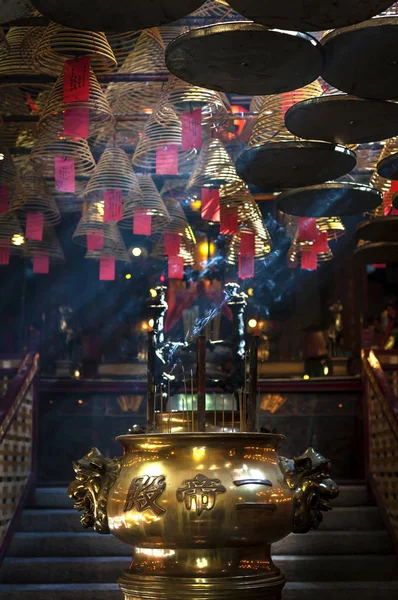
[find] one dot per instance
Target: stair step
(108, 569)
(56, 497)
(292, 591)
(36, 520)
(92, 544)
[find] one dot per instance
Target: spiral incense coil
(163, 128)
(92, 221)
(31, 194)
(8, 171)
(126, 133)
(256, 104)
(14, 58)
(218, 9)
(213, 168)
(184, 253)
(367, 157)
(11, 234)
(114, 171)
(262, 243)
(333, 225)
(114, 246)
(184, 97)
(18, 135)
(153, 205)
(122, 44)
(297, 248)
(66, 201)
(49, 246)
(270, 123)
(179, 225)
(46, 149)
(236, 198)
(4, 46)
(381, 184)
(100, 114)
(59, 44)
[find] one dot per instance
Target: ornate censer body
(201, 510)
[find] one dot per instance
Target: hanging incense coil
(180, 226)
(146, 57)
(262, 242)
(49, 246)
(219, 9)
(296, 251)
(15, 59)
(11, 234)
(8, 171)
(59, 44)
(126, 134)
(18, 135)
(213, 168)
(114, 171)
(163, 128)
(382, 184)
(100, 114)
(32, 194)
(92, 221)
(270, 124)
(153, 205)
(47, 148)
(184, 97)
(334, 226)
(4, 47)
(236, 198)
(122, 44)
(185, 253)
(114, 246)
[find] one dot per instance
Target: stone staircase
(52, 557)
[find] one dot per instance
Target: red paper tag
(172, 244)
(76, 121)
(309, 260)
(394, 187)
(107, 269)
(246, 266)
(64, 172)
(191, 136)
(142, 222)
(95, 240)
(3, 199)
(229, 223)
(379, 266)
(41, 264)
(167, 160)
(4, 256)
(77, 80)
(307, 231)
(113, 205)
(176, 267)
(321, 244)
(34, 226)
(32, 104)
(247, 244)
(210, 205)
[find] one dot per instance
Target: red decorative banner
(41, 264)
(64, 173)
(379, 266)
(247, 244)
(77, 80)
(3, 199)
(229, 223)
(246, 266)
(107, 269)
(95, 240)
(172, 244)
(167, 160)
(76, 122)
(191, 135)
(309, 260)
(210, 205)
(176, 267)
(307, 231)
(142, 224)
(4, 256)
(113, 205)
(34, 226)
(321, 244)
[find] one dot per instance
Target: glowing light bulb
(250, 292)
(128, 275)
(326, 370)
(17, 239)
(136, 251)
(151, 323)
(1, 156)
(306, 377)
(76, 374)
(252, 323)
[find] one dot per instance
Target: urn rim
(196, 436)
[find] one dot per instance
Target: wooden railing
(382, 438)
(17, 446)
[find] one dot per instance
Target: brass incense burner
(201, 496)
(201, 510)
